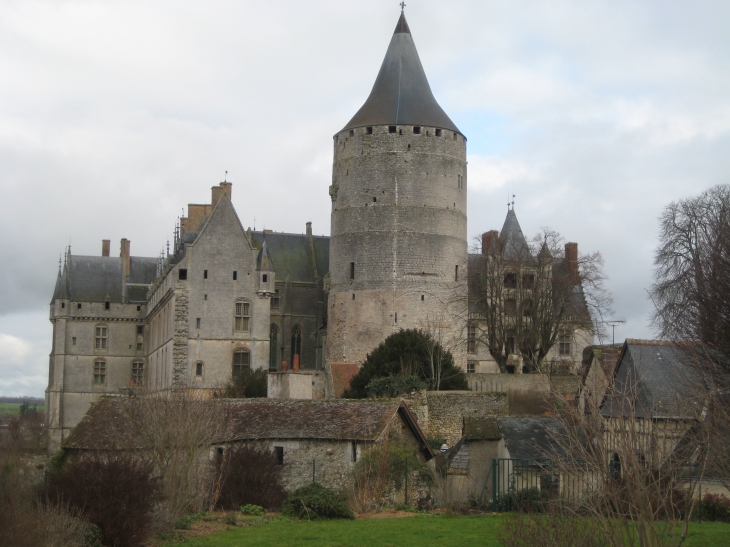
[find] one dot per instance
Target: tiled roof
(342, 374)
(654, 374)
(105, 426)
(531, 438)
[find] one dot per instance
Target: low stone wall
(441, 414)
(565, 385)
(309, 384)
(507, 382)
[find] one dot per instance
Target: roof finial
(513, 202)
(402, 6)
(225, 177)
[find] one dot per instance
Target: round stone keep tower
(398, 246)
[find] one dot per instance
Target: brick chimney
(309, 228)
(124, 254)
(571, 259)
(487, 239)
(105, 246)
(218, 191)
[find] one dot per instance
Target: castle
(228, 298)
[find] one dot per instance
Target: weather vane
(402, 6)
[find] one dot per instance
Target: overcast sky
(114, 116)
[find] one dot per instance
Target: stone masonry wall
(441, 414)
(398, 236)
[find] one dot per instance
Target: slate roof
(512, 241)
(401, 93)
(98, 278)
(653, 374)
(531, 438)
(106, 427)
(293, 257)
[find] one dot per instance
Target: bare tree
(691, 295)
(523, 298)
(175, 431)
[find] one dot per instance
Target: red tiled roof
(342, 373)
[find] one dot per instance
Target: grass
(441, 530)
(14, 408)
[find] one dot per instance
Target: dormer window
(265, 278)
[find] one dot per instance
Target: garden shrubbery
(117, 493)
(316, 502)
(714, 507)
(250, 476)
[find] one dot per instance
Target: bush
(247, 384)
(117, 493)
(408, 353)
(714, 507)
(527, 500)
(393, 386)
(250, 476)
(253, 510)
(316, 502)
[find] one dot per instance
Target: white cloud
(13, 350)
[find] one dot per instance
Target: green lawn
(14, 408)
(443, 531)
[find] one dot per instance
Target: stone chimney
(105, 246)
(124, 254)
(571, 260)
(487, 239)
(309, 229)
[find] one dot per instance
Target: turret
(398, 247)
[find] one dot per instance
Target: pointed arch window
(296, 345)
(273, 347)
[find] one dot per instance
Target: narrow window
(354, 451)
(391, 129)
(197, 322)
(266, 278)
(140, 329)
(353, 296)
(63, 304)
(198, 369)
(564, 343)
(279, 451)
(205, 274)
(73, 341)
(375, 200)
(510, 345)
(100, 338)
(205, 297)
(454, 136)
(423, 297)
(400, 131)
(241, 361)
(409, 147)
(352, 270)
(296, 345)
(417, 130)
(139, 308)
(235, 275)
(396, 317)
(275, 300)
(456, 273)
(273, 347)
(369, 130)
(471, 367)
(352, 132)
(182, 274)
(243, 314)
(137, 373)
(78, 306)
(139, 346)
(99, 372)
(471, 338)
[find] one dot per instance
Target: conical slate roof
(512, 240)
(263, 260)
(60, 291)
(401, 94)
